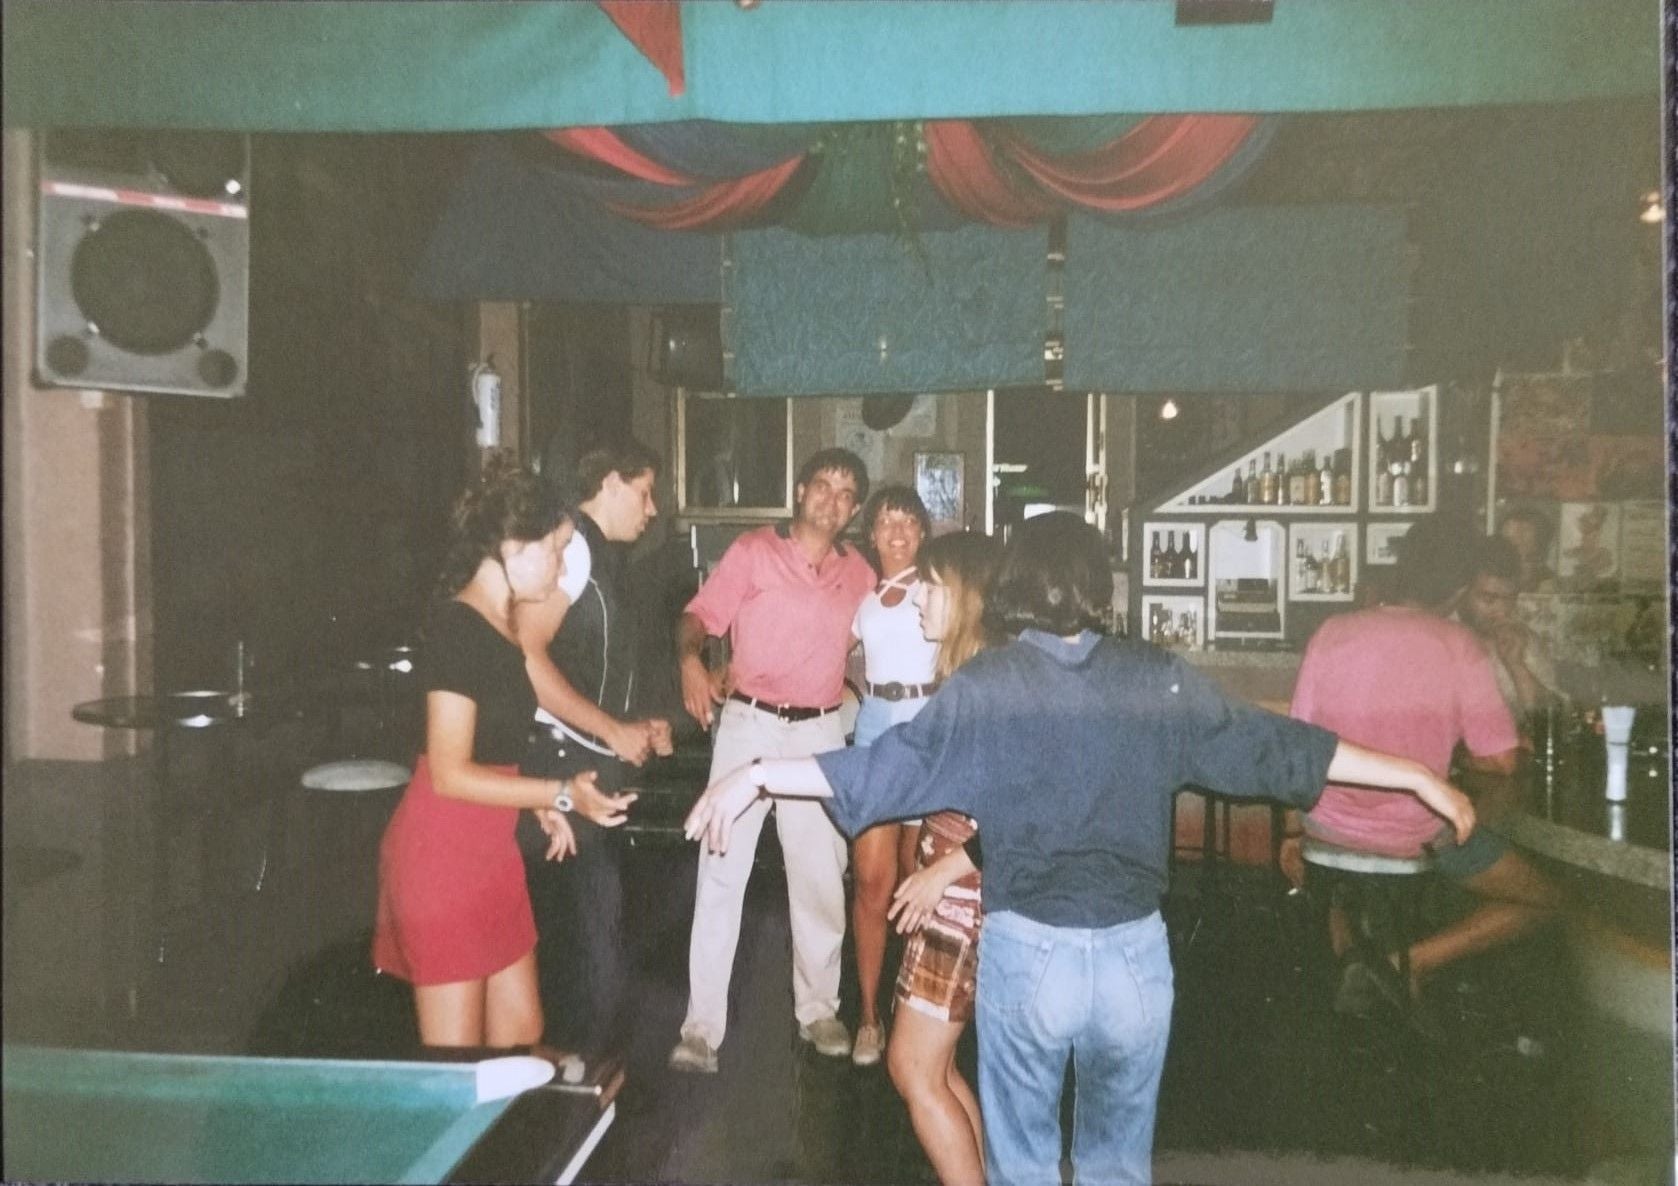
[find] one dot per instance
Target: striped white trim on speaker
(134, 197)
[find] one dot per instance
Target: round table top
(196, 709)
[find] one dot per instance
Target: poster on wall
(1588, 553)
(1643, 553)
(939, 479)
(850, 432)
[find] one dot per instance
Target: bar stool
(1216, 850)
(1380, 895)
(332, 864)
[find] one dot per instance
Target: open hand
(597, 806)
(916, 899)
(713, 816)
(562, 841)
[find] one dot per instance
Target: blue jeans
(1102, 997)
(876, 716)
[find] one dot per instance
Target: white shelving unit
(1331, 433)
(1386, 408)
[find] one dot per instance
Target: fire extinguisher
(486, 397)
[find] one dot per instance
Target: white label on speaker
(134, 197)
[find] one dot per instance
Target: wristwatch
(562, 797)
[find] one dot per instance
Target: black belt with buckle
(896, 691)
(787, 712)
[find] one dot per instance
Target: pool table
(95, 1115)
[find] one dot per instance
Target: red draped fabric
(960, 166)
(655, 27)
(718, 206)
(1162, 157)
(604, 145)
(993, 176)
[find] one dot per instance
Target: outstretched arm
(714, 814)
(1366, 767)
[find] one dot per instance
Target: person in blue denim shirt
(1066, 747)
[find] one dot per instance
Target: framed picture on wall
(939, 480)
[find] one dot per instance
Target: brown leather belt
(787, 712)
(896, 691)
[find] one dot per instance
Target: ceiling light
(1652, 211)
(1168, 410)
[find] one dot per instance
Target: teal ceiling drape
(392, 65)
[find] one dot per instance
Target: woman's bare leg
(922, 1059)
(908, 849)
(874, 865)
(512, 1005)
(450, 1014)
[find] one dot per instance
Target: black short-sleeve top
(463, 653)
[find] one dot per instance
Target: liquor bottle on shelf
(1251, 493)
(1296, 480)
(1401, 483)
(1383, 447)
(1325, 568)
(1304, 567)
(1191, 562)
(1325, 483)
(1418, 465)
(1308, 478)
(1341, 565)
(1384, 478)
(1169, 562)
(1267, 483)
(1343, 477)
(1237, 489)
(1283, 495)
(1156, 559)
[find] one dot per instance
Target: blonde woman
(938, 904)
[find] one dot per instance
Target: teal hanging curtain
(393, 65)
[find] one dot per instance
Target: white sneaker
(693, 1053)
(828, 1035)
(870, 1044)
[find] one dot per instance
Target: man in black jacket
(580, 651)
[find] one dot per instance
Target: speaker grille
(144, 282)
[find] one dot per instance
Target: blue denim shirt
(1067, 753)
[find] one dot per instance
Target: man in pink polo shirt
(786, 596)
(1404, 679)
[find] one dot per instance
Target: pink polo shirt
(789, 620)
(1406, 682)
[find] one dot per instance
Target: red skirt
(452, 899)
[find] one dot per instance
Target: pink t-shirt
(790, 619)
(1406, 682)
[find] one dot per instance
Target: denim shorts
(1483, 849)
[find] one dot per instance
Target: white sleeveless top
(893, 648)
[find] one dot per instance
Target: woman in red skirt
(454, 916)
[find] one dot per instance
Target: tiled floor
(1258, 1067)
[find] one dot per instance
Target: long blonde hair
(965, 562)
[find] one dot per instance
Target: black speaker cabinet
(141, 265)
(687, 348)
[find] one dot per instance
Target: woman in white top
(899, 664)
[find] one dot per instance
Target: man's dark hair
(1434, 562)
(842, 460)
(1543, 531)
(628, 458)
(1496, 557)
(1055, 577)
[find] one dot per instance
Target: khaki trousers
(815, 856)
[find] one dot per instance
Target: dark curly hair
(895, 497)
(1055, 577)
(507, 502)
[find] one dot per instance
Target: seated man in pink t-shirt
(1404, 679)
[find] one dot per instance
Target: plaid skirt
(940, 969)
